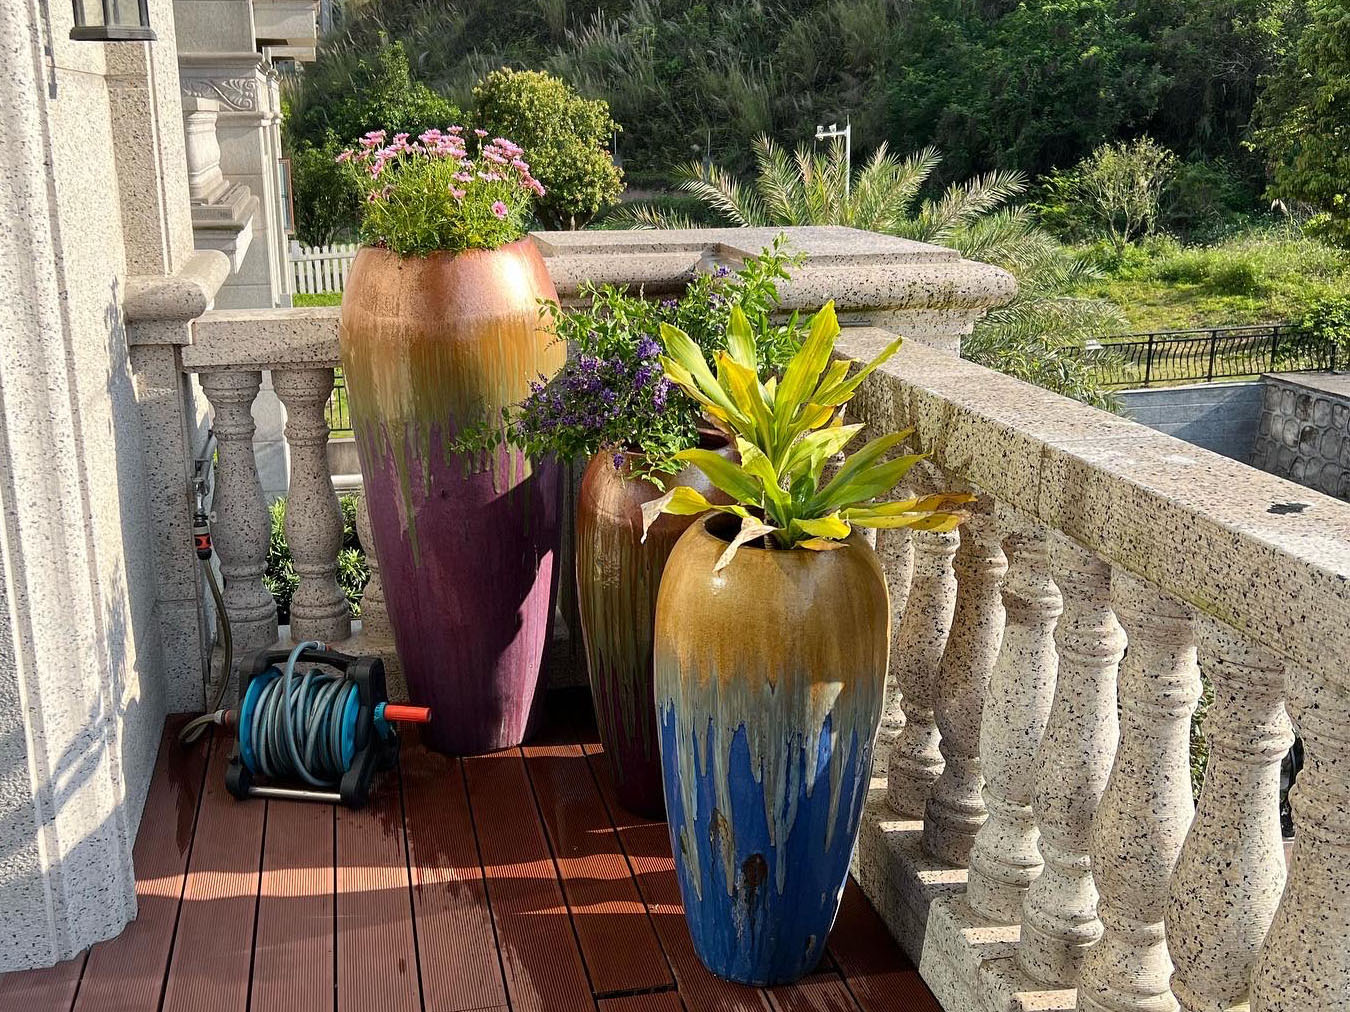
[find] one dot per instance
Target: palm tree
(1039, 337)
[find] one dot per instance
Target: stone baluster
(1146, 809)
(1004, 859)
(896, 550)
(319, 608)
(374, 614)
(915, 761)
(1059, 913)
(241, 527)
(1304, 965)
(1230, 873)
(955, 809)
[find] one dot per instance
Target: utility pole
(822, 134)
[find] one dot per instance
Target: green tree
(1039, 337)
(565, 137)
(379, 93)
(1303, 119)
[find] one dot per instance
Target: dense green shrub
(566, 140)
(1304, 119)
(280, 578)
(379, 93)
(1115, 193)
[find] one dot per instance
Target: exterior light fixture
(112, 21)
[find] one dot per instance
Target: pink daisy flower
(499, 209)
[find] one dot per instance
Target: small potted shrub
(441, 331)
(772, 632)
(613, 404)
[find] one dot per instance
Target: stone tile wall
(1304, 433)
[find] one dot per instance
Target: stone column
(955, 810)
(1005, 859)
(1304, 965)
(242, 526)
(319, 608)
(1230, 872)
(1146, 809)
(1059, 915)
(896, 550)
(915, 761)
(374, 614)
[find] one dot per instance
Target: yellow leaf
(820, 545)
(751, 528)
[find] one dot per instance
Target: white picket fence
(316, 269)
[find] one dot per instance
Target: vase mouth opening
(712, 439)
(725, 526)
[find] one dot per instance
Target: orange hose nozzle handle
(407, 714)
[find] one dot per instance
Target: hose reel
(318, 735)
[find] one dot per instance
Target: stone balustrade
(1137, 565)
(1030, 837)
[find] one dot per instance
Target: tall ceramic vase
(432, 349)
(618, 575)
(769, 682)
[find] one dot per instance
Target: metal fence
(1204, 356)
(339, 418)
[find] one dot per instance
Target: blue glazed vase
(769, 682)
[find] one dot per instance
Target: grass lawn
(1260, 277)
(322, 299)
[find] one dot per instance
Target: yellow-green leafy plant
(786, 429)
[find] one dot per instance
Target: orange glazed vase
(465, 526)
(618, 575)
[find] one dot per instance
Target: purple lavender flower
(618, 461)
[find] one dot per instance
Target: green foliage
(611, 394)
(1116, 192)
(1039, 338)
(786, 429)
(1266, 275)
(567, 138)
(431, 195)
(1304, 120)
(280, 577)
(377, 91)
(1327, 321)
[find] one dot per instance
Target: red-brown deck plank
(455, 940)
(544, 968)
(616, 935)
(819, 993)
(51, 989)
(659, 1001)
(213, 947)
(647, 845)
(377, 952)
(293, 951)
(126, 973)
(877, 970)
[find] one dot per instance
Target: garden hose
(201, 537)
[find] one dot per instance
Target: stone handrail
(1090, 881)
(1030, 837)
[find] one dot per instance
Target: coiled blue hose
(296, 724)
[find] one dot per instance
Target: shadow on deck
(506, 881)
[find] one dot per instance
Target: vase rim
(714, 517)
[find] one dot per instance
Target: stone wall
(1304, 431)
(93, 194)
(1218, 416)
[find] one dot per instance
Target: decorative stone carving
(205, 181)
(1230, 873)
(896, 549)
(1004, 859)
(242, 525)
(239, 93)
(1146, 809)
(1305, 963)
(955, 809)
(915, 761)
(319, 608)
(1059, 914)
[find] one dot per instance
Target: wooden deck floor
(507, 881)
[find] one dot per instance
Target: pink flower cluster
(499, 160)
